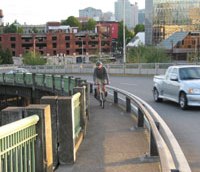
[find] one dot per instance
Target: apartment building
(58, 42)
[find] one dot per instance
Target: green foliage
(35, 30)
(10, 28)
(147, 54)
(72, 22)
(128, 35)
(139, 28)
(5, 56)
(13, 28)
(193, 57)
(31, 58)
(90, 25)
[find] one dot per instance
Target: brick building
(59, 42)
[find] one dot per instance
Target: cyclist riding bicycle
(100, 76)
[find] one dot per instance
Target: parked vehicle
(180, 84)
(18, 70)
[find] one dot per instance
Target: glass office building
(165, 17)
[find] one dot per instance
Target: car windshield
(190, 73)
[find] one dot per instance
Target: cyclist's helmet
(98, 63)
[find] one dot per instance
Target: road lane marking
(128, 84)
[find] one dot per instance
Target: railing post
(128, 105)
(83, 120)
(91, 88)
(11, 114)
(153, 146)
(70, 83)
(66, 152)
(115, 97)
(52, 101)
(43, 146)
(140, 118)
(77, 81)
(34, 85)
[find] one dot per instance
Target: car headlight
(194, 91)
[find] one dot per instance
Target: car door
(166, 83)
(174, 85)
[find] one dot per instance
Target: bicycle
(100, 94)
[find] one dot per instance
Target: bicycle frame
(101, 94)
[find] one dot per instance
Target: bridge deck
(112, 144)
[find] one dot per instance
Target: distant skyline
(42, 11)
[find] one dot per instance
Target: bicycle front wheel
(102, 100)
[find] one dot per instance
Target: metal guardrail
(17, 140)
(162, 141)
(76, 108)
(127, 69)
(61, 84)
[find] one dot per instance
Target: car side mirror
(174, 78)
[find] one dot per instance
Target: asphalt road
(185, 125)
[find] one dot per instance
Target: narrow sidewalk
(112, 144)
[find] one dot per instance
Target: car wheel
(183, 101)
(156, 95)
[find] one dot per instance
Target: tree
(72, 22)
(147, 54)
(10, 29)
(139, 28)
(5, 56)
(35, 30)
(90, 25)
(33, 58)
(8, 57)
(15, 27)
(128, 35)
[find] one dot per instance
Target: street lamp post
(34, 46)
(81, 39)
(124, 34)
(82, 49)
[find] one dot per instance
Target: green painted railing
(61, 83)
(17, 150)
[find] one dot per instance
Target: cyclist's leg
(98, 87)
(104, 89)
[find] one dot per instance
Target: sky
(42, 11)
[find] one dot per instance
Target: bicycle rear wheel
(102, 101)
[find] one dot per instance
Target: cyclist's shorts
(100, 81)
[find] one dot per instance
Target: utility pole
(124, 34)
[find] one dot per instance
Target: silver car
(18, 70)
(180, 84)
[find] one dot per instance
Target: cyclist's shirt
(100, 74)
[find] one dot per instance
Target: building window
(54, 53)
(54, 38)
(12, 45)
(0, 38)
(54, 45)
(12, 39)
(67, 45)
(67, 38)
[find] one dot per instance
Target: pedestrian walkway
(112, 144)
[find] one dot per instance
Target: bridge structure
(58, 114)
